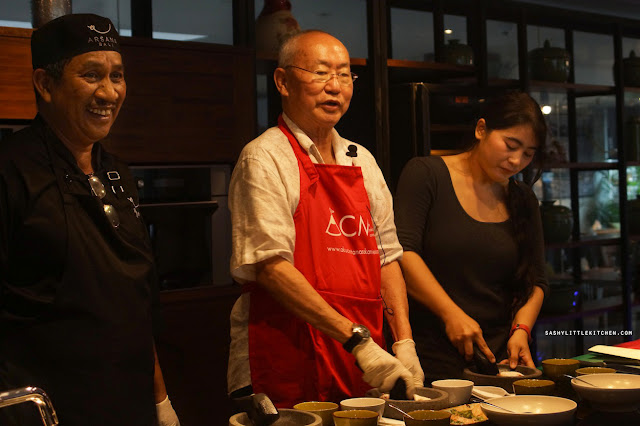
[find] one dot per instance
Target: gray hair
(289, 48)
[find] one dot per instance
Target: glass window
(455, 28)
(502, 49)
(18, 13)
(554, 107)
(596, 128)
(536, 36)
(193, 20)
(629, 44)
(118, 11)
(346, 20)
(593, 58)
(599, 204)
(15, 14)
(412, 35)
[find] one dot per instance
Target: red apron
(336, 251)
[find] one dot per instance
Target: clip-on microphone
(353, 151)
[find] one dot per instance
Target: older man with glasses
(315, 246)
(77, 281)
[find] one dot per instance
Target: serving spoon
(401, 411)
(581, 380)
(482, 401)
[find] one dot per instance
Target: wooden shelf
(577, 89)
(583, 166)
(586, 242)
(411, 71)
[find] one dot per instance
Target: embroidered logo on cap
(102, 40)
(93, 28)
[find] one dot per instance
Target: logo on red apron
(348, 226)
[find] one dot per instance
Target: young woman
(473, 247)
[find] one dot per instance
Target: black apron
(91, 345)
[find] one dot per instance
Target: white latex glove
(381, 369)
(166, 414)
(405, 351)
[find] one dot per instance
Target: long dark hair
(502, 112)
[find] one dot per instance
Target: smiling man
(314, 244)
(77, 281)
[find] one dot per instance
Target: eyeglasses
(344, 78)
(98, 190)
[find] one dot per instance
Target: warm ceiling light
(448, 31)
(546, 109)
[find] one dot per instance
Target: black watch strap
(360, 333)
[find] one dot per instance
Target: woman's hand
(463, 331)
(518, 350)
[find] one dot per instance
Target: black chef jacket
(76, 294)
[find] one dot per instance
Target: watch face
(361, 330)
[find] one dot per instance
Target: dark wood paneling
(186, 102)
(17, 100)
(193, 350)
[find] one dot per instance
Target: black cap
(72, 35)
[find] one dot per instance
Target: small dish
(356, 418)
(594, 370)
(323, 409)
(428, 418)
(459, 390)
(364, 403)
(533, 387)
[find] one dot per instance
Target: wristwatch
(360, 333)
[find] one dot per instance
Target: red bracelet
(521, 327)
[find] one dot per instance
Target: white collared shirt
(265, 190)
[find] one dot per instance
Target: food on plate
(510, 374)
(466, 414)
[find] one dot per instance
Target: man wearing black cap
(77, 281)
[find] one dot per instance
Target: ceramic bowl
(428, 418)
(365, 403)
(612, 392)
(594, 370)
(556, 368)
(356, 418)
(543, 410)
(459, 390)
(533, 387)
(505, 383)
(437, 399)
(323, 409)
(287, 417)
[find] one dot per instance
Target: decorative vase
(43, 11)
(631, 70)
(557, 222)
(549, 63)
(457, 53)
(274, 25)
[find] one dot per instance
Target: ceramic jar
(557, 222)
(549, 63)
(457, 53)
(631, 70)
(274, 25)
(43, 11)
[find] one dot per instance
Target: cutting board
(623, 354)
